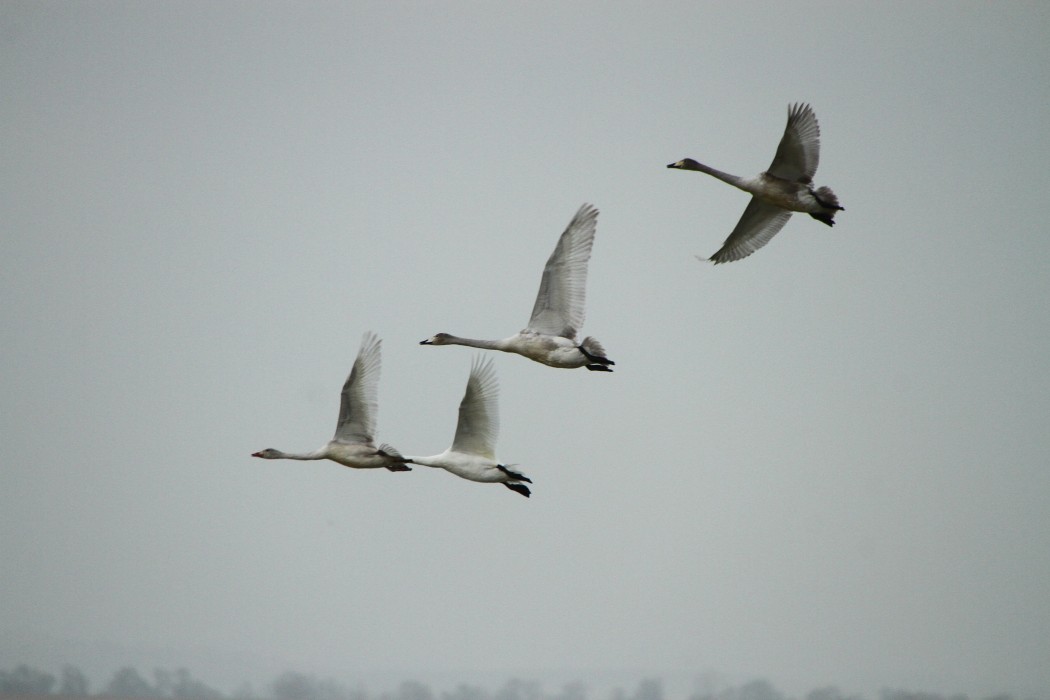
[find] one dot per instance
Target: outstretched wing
(478, 425)
(759, 223)
(359, 405)
(799, 151)
(563, 287)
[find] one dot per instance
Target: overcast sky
(824, 464)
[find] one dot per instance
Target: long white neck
(472, 343)
(733, 180)
(321, 453)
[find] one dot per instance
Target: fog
(823, 465)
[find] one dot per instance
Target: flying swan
(550, 337)
(472, 455)
(787, 186)
(354, 442)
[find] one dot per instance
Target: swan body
(550, 336)
(473, 452)
(552, 350)
(786, 187)
(353, 444)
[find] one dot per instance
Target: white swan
(472, 455)
(550, 337)
(787, 186)
(354, 442)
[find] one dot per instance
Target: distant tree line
(181, 685)
(125, 683)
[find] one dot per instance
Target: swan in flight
(787, 186)
(472, 455)
(354, 442)
(550, 337)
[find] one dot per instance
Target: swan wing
(759, 223)
(560, 301)
(478, 425)
(799, 151)
(359, 404)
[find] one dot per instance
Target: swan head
(268, 453)
(439, 339)
(685, 164)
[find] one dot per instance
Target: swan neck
(714, 172)
(474, 343)
(316, 454)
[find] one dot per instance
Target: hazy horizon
(596, 684)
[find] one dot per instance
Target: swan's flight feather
(559, 308)
(359, 401)
(478, 426)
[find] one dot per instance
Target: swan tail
(595, 354)
(829, 203)
(827, 199)
(519, 488)
(387, 450)
(517, 476)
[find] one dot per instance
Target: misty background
(823, 465)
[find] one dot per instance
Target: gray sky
(824, 464)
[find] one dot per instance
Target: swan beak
(256, 454)
(425, 342)
(672, 165)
